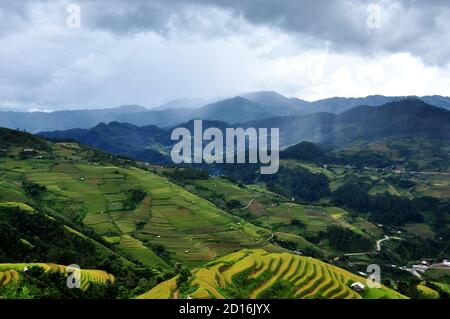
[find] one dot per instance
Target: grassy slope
(100, 248)
(191, 228)
(275, 213)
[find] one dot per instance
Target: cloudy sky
(149, 52)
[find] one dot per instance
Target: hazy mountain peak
(263, 94)
(271, 98)
(188, 103)
(131, 109)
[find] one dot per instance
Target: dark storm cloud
(419, 27)
(416, 26)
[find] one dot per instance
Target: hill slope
(410, 117)
(258, 274)
(133, 209)
(88, 276)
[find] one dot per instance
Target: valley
(211, 158)
(194, 231)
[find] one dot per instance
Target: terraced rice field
(165, 290)
(191, 229)
(278, 217)
(8, 276)
(427, 292)
(10, 272)
(228, 190)
(259, 274)
(316, 219)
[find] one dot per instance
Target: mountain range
(363, 123)
(240, 109)
(409, 117)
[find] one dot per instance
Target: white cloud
(317, 74)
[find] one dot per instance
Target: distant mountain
(232, 110)
(241, 109)
(405, 118)
(338, 105)
(410, 117)
(437, 100)
(128, 109)
(274, 98)
(183, 104)
(120, 139)
(61, 120)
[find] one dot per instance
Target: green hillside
(288, 221)
(148, 227)
(258, 274)
(136, 211)
(31, 237)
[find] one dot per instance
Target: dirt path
(380, 241)
(358, 254)
(251, 201)
(384, 239)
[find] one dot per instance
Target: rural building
(358, 287)
(421, 268)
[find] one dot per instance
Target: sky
(59, 54)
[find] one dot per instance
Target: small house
(421, 268)
(358, 287)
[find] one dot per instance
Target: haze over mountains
(244, 108)
(409, 117)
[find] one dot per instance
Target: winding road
(385, 238)
(377, 248)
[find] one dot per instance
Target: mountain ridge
(252, 106)
(364, 123)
